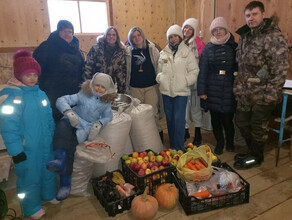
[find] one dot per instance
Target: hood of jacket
(85, 88)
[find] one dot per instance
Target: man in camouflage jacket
(263, 64)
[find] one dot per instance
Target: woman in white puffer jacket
(177, 72)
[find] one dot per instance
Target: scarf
(221, 41)
(174, 47)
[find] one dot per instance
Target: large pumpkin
(144, 206)
(167, 195)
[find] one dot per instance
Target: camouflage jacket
(263, 63)
(96, 62)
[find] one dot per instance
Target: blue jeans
(175, 111)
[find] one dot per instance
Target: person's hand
(73, 118)
(203, 97)
(94, 131)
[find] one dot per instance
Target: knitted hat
(191, 22)
(174, 29)
(219, 22)
(104, 80)
(62, 24)
(24, 63)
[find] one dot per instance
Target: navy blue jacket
(62, 68)
(216, 76)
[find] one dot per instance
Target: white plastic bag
(96, 151)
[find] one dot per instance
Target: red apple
(135, 167)
(165, 162)
(144, 166)
(141, 172)
(162, 153)
(154, 169)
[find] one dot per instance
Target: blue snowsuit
(27, 125)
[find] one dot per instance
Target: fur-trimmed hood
(86, 89)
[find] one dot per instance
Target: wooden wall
(25, 24)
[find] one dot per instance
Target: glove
(73, 118)
(94, 131)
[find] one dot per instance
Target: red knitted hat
(24, 63)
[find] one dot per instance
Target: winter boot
(65, 188)
(187, 134)
(198, 137)
(59, 164)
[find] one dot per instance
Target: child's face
(98, 89)
(174, 39)
(30, 79)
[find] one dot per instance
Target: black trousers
(65, 138)
(220, 121)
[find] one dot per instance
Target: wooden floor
(270, 193)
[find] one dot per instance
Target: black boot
(241, 156)
(198, 137)
(187, 134)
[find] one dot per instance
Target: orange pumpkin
(144, 206)
(167, 195)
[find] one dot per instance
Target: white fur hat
(174, 29)
(194, 23)
(105, 80)
(219, 22)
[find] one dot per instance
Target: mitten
(94, 131)
(73, 118)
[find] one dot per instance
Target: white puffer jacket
(177, 74)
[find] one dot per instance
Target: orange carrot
(202, 194)
(122, 191)
(199, 165)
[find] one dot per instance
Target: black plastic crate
(152, 180)
(192, 205)
(116, 207)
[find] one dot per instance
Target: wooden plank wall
(26, 23)
(232, 10)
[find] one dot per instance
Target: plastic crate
(152, 180)
(116, 207)
(192, 205)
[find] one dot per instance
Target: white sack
(144, 133)
(82, 172)
(115, 135)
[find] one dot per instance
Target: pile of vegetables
(195, 164)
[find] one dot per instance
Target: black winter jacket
(62, 68)
(216, 76)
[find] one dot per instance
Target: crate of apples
(148, 168)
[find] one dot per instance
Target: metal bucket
(122, 102)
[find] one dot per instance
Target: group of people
(42, 124)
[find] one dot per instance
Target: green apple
(159, 158)
(125, 157)
(150, 153)
(173, 152)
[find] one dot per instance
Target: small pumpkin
(167, 196)
(144, 206)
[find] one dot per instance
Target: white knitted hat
(194, 23)
(219, 22)
(174, 29)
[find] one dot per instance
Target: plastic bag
(96, 151)
(223, 181)
(189, 175)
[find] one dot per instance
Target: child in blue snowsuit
(85, 113)
(27, 127)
